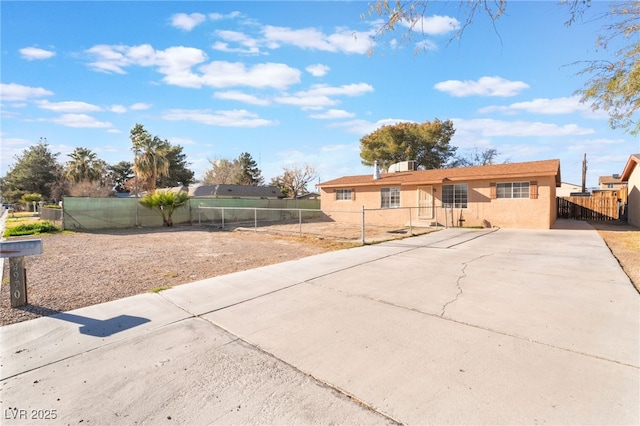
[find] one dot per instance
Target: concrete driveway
(455, 327)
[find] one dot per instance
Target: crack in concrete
(458, 294)
(458, 283)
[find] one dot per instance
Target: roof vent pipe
(376, 170)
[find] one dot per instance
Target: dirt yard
(82, 269)
(624, 242)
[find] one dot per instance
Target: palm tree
(84, 166)
(165, 202)
(150, 157)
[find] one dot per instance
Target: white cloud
(320, 95)
(187, 22)
(564, 105)
(182, 141)
(220, 16)
(355, 89)
(426, 45)
(35, 53)
(234, 95)
(118, 109)
(224, 47)
(364, 127)
(139, 106)
(176, 64)
(597, 145)
(68, 106)
(306, 101)
(78, 121)
(266, 75)
(233, 118)
(485, 86)
(18, 92)
(110, 59)
(519, 128)
(318, 70)
(333, 114)
(343, 40)
(249, 44)
(434, 25)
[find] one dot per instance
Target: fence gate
(590, 208)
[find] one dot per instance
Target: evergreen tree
(426, 143)
(120, 174)
(249, 173)
(35, 171)
(179, 174)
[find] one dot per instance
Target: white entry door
(425, 202)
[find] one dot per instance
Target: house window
(390, 197)
(512, 190)
(455, 196)
(343, 194)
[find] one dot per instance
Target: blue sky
(295, 82)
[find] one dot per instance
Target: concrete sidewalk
(455, 327)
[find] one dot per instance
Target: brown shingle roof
(460, 174)
(608, 179)
(632, 163)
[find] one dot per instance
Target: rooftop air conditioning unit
(403, 166)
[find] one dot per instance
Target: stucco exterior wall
(633, 198)
(482, 210)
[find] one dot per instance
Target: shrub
(165, 202)
(31, 229)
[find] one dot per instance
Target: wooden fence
(590, 208)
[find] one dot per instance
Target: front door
(425, 202)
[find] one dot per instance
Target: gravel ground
(82, 269)
(624, 242)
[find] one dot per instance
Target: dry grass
(624, 242)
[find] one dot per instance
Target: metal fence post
(255, 220)
(222, 218)
(300, 220)
(410, 225)
(362, 226)
(446, 220)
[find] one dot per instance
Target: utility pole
(584, 174)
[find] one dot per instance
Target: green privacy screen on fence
(104, 213)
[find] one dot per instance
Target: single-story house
(566, 189)
(631, 175)
(232, 191)
(611, 182)
(516, 195)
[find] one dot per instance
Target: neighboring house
(611, 182)
(232, 191)
(566, 189)
(516, 195)
(309, 196)
(631, 176)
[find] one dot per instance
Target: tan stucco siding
(482, 210)
(633, 200)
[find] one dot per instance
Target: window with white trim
(455, 196)
(343, 194)
(390, 197)
(512, 190)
